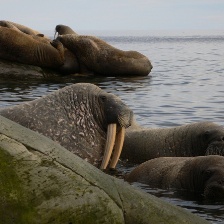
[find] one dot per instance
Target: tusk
(111, 134)
(118, 148)
(55, 33)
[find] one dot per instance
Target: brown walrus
(20, 47)
(95, 56)
(22, 28)
(203, 175)
(195, 139)
(70, 63)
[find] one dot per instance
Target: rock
(42, 182)
(22, 71)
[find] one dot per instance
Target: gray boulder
(42, 182)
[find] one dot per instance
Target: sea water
(184, 86)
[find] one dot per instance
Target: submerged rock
(42, 182)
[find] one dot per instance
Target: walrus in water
(79, 117)
(95, 56)
(203, 175)
(195, 139)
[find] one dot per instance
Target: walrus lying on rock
(203, 175)
(21, 47)
(195, 139)
(20, 27)
(79, 117)
(95, 56)
(22, 44)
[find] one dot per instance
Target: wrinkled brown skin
(195, 139)
(95, 56)
(76, 117)
(203, 175)
(23, 29)
(20, 47)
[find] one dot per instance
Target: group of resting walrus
(69, 53)
(90, 122)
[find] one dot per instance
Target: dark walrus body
(196, 139)
(203, 175)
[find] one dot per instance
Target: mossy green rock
(41, 182)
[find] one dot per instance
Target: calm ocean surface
(185, 85)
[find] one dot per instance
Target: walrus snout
(215, 191)
(215, 148)
(115, 137)
(125, 119)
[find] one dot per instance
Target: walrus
(35, 34)
(194, 139)
(79, 117)
(63, 61)
(20, 27)
(203, 175)
(20, 47)
(95, 56)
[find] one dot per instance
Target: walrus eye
(206, 134)
(207, 174)
(103, 98)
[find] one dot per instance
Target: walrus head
(63, 29)
(111, 114)
(116, 114)
(214, 140)
(211, 177)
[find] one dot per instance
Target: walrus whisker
(117, 148)
(111, 134)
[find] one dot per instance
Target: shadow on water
(211, 211)
(16, 91)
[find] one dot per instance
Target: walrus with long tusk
(81, 117)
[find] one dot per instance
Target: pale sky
(116, 14)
